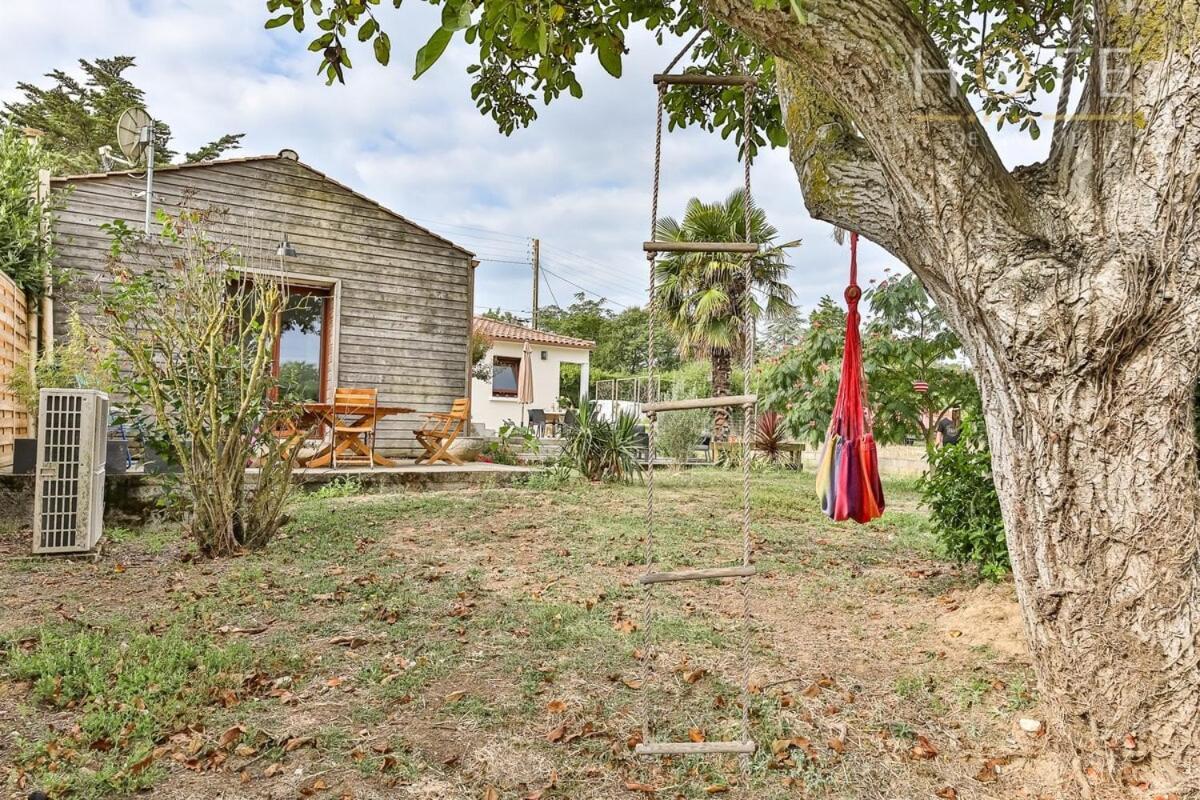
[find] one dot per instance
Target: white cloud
(579, 178)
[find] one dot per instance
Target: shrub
(197, 339)
(963, 507)
(24, 218)
(603, 450)
(510, 441)
(769, 435)
(81, 361)
(678, 434)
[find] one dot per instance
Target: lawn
(488, 644)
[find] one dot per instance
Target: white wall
(493, 411)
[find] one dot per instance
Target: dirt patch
(987, 616)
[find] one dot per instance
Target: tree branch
(946, 184)
(842, 182)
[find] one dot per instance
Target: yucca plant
(603, 450)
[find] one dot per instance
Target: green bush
(963, 507)
(601, 450)
(25, 251)
(510, 442)
(678, 434)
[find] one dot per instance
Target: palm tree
(700, 294)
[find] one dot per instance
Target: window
(504, 376)
(301, 351)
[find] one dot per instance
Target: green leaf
(367, 30)
(798, 10)
(610, 56)
(543, 38)
(383, 49)
(428, 55)
(457, 17)
(557, 13)
(282, 19)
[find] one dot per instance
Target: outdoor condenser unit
(68, 510)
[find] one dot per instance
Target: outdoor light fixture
(544, 355)
(285, 248)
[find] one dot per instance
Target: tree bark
(721, 361)
(1073, 285)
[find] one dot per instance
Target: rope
(686, 47)
(651, 395)
(1064, 95)
(747, 418)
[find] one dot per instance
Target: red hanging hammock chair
(848, 469)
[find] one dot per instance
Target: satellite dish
(134, 132)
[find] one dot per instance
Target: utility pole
(537, 248)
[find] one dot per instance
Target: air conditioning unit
(72, 436)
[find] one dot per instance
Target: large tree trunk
(721, 363)
(1098, 486)
(1074, 285)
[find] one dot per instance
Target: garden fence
(14, 355)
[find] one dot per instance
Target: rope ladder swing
(744, 746)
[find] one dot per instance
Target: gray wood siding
(406, 295)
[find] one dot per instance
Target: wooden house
(393, 300)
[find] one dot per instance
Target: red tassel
(857, 488)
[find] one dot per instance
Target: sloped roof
(282, 155)
(508, 332)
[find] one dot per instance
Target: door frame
(332, 324)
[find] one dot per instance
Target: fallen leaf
(490, 793)
(296, 742)
(454, 697)
(947, 793)
(556, 706)
(716, 788)
(696, 735)
(556, 734)
(988, 772)
(923, 748)
(231, 735)
(837, 744)
(632, 683)
(272, 770)
(633, 786)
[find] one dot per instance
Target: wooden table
(554, 420)
(315, 415)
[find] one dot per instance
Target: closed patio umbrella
(525, 380)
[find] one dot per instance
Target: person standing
(949, 428)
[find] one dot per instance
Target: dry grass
(484, 645)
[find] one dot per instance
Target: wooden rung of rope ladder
(691, 748)
(698, 574)
(721, 401)
(700, 79)
(744, 747)
(700, 247)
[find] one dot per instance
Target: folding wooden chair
(439, 431)
(354, 412)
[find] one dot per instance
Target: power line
(584, 290)
(592, 263)
(489, 231)
(550, 289)
(590, 270)
(502, 261)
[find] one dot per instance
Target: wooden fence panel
(14, 355)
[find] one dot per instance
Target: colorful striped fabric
(848, 483)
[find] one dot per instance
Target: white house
(494, 401)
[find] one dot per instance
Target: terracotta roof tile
(508, 332)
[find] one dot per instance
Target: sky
(578, 179)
